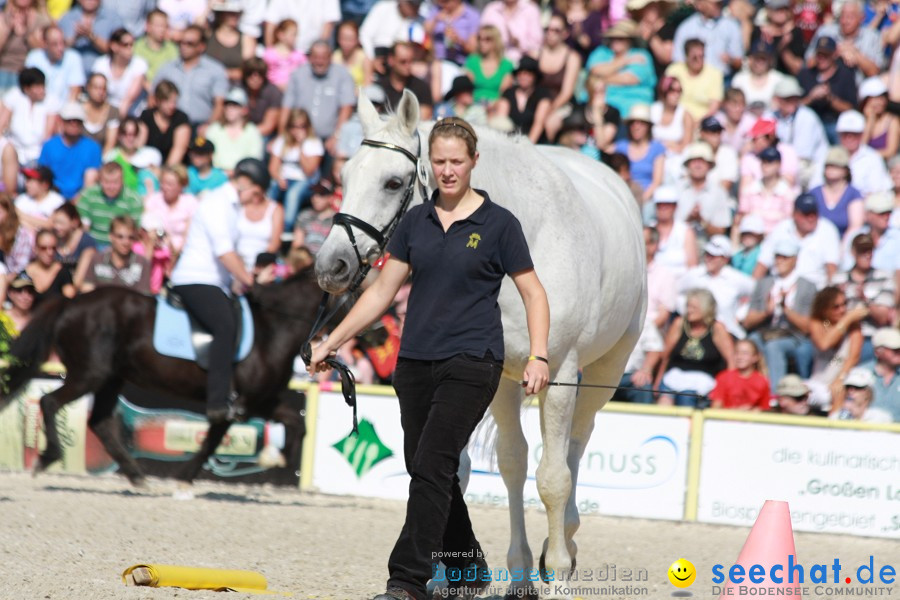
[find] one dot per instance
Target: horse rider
(209, 268)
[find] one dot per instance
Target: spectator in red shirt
(745, 387)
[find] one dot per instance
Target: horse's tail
(32, 348)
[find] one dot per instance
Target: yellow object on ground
(197, 578)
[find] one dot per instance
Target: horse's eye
(393, 184)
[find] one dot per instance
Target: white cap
(72, 111)
(851, 121)
(786, 247)
(699, 150)
(148, 156)
(665, 194)
(860, 377)
(880, 202)
(753, 224)
(718, 245)
(788, 87)
(872, 88)
(886, 337)
(236, 95)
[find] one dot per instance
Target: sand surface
(70, 537)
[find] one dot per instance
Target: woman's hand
(317, 361)
(857, 314)
(536, 376)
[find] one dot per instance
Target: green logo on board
(363, 451)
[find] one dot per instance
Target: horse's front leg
(512, 460)
(554, 480)
(103, 423)
(72, 389)
(191, 469)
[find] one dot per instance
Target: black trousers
(441, 402)
(212, 308)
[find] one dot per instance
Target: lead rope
(347, 221)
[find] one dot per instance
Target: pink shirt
(524, 24)
(175, 218)
(281, 67)
(772, 206)
(660, 290)
(790, 164)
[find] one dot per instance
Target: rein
(381, 237)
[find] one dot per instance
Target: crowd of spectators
(760, 140)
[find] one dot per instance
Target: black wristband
(540, 358)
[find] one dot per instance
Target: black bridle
(381, 237)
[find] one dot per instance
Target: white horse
(584, 231)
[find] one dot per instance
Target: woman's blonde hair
(454, 127)
(707, 303)
(178, 171)
(495, 36)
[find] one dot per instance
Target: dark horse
(105, 338)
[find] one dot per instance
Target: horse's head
(380, 184)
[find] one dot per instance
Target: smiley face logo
(682, 573)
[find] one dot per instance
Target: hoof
(44, 462)
(542, 568)
(183, 491)
(138, 482)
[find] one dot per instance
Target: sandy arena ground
(70, 537)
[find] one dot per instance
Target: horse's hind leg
(103, 424)
(512, 460)
(72, 389)
(606, 371)
(554, 480)
(214, 437)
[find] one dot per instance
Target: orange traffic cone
(770, 542)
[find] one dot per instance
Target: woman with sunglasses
(673, 126)
(50, 278)
(487, 67)
(126, 74)
(559, 64)
(164, 126)
(837, 339)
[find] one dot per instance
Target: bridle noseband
(382, 237)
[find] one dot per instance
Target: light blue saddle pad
(172, 334)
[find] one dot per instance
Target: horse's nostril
(340, 268)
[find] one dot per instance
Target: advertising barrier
(835, 478)
(713, 466)
(634, 465)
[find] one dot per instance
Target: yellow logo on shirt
(473, 240)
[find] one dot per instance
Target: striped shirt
(95, 207)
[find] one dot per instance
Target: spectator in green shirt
(154, 47)
(100, 203)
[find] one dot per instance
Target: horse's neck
(288, 309)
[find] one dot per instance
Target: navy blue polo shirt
(456, 279)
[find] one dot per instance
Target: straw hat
(626, 28)
(640, 112)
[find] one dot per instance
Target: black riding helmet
(255, 170)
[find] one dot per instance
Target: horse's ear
(408, 112)
(368, 116)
